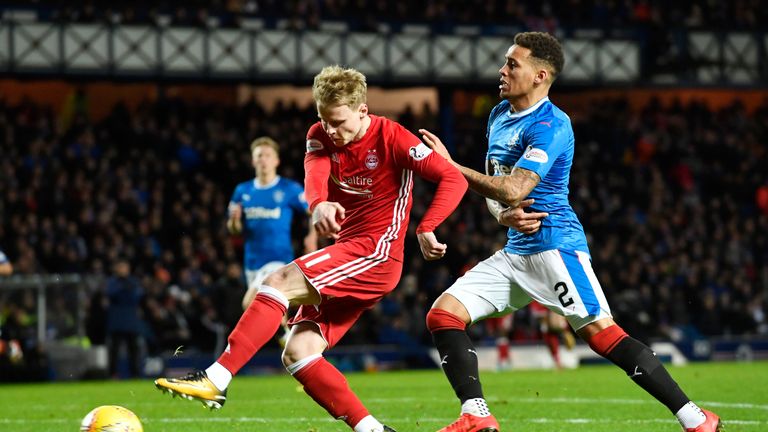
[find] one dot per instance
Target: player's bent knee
(290, 281)
(297, 352)
(295, 365)
(438, 319)
(304, 341)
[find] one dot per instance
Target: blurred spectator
(672, 194)
(124, 321)
(228, 294)
(443, 14)
(5, 265)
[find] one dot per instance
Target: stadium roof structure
(404, 58)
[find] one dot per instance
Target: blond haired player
(359, 180)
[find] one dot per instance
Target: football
(110, 418)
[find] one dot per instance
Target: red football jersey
(373, 180)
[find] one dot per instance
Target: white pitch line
(492, 399)
(294, 420)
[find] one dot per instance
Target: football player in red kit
(359, 180)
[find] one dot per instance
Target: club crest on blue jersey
(278, 196)
(515, 140)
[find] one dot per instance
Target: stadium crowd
(441, 15)
(674, 200)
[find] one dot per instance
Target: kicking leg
(257, 326)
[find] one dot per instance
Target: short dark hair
(544, 47)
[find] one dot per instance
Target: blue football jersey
(539, 139)
(267, 214)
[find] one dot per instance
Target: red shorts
(537, 310)
(502, 323)
(351, 278)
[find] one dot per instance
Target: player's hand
(235, 211)
(235, 221)
(520, 220)
(326, 219)
(430, 247)
(432, 141)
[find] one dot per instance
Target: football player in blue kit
(546, 257)
(262, 211)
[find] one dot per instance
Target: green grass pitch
(588, 399)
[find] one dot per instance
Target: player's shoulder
(499, 109)
(550, 111)
(392, 131)
(317, 138)
(548, 120)
(383, 125)
(244, 186)
(287, 183)
(316, 129)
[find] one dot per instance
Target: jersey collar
(528, 110)
(256, 184)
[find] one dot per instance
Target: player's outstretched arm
(510, 190)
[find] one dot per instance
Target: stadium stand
(679, 227)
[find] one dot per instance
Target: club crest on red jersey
(371, 159)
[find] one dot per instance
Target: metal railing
(74, 286)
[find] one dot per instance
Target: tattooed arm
(510, 190)
(507, 189)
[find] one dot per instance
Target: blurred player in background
(359, 179)
(552, 327)
(125, 325)
(9, 347)
(6, 268)
(546, 258)
(500, 327)
(262, 211)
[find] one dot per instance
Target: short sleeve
(545, 142)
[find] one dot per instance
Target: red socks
(606, 339)
(438, 319)
(502, 347)
(553, 343)
(328, 387)
(255, 328)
